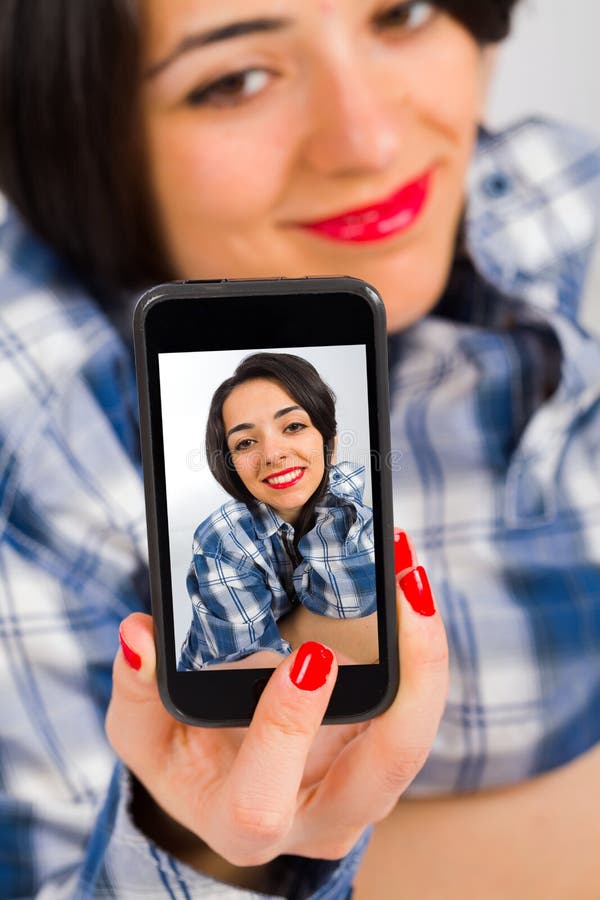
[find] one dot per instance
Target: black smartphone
(264, 418)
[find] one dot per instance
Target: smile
(284, 479)
(381, 220)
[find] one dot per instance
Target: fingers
(261, 792)
(240, 795)
(367, 779)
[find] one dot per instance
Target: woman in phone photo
(297, 530)
(144, 141)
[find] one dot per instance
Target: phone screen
(268, 481)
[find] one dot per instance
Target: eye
(407, 16)
(294, 427)
(230, 90)
(243, 444)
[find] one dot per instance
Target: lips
(380, 220)
(284, 478)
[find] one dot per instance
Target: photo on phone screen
(268, 482)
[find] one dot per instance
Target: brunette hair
(71, 154)
(304, 385)
(487, 20)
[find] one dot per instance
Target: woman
(296, 532)
(288, 137)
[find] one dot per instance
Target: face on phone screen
(268, 469)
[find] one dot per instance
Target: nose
(273, 450)
(357, 124)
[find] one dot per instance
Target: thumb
(137, 653)
(136, 719)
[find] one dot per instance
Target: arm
(354, 640)
(65, 823)
(537, 840)
(338, 577)
(72, 542)
(232, 615)
(72, 820)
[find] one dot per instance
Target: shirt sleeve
(72, 565)
(337, 575)
(122, 862)
(232, 613)
(65, 827)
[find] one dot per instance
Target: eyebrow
(215, 36)
(244, 426)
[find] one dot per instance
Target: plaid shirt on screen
(246, 573)
(496, 425)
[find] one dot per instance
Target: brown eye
(406, 16)
(231, 89)
(243, 444)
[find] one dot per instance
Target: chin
(403, 309)
(411, 286)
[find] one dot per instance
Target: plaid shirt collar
(530, 228)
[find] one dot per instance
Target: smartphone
(264, 419)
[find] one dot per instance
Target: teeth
(398, 221)
(283, 479)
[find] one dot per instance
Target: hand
(283, 785)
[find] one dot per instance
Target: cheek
(209, 176)
(315, 452)
(246, 467)
(448, 94)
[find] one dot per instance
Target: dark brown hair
(487, 20)
(304, 385)
(71, 159)
(71, 154)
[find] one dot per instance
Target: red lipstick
(380, 220)
(284, 484)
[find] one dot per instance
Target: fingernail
(133, 658)
(417, 591)
(403, 555)
(311, 666)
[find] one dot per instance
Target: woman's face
(275, 448)
(312, 137)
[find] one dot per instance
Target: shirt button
(496, 185)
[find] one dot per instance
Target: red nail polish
(417, 591)
(133, 658)
(403, 555)
(311, 666)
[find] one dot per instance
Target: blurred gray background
(551, 65)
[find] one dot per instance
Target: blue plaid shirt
(499, 487)
(246, 573)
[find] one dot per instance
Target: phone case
(199, 318)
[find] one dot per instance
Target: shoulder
(68, 391)
(227, 528)
(533, 198)
(50, 327)
(347, 481)
(535, 154)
